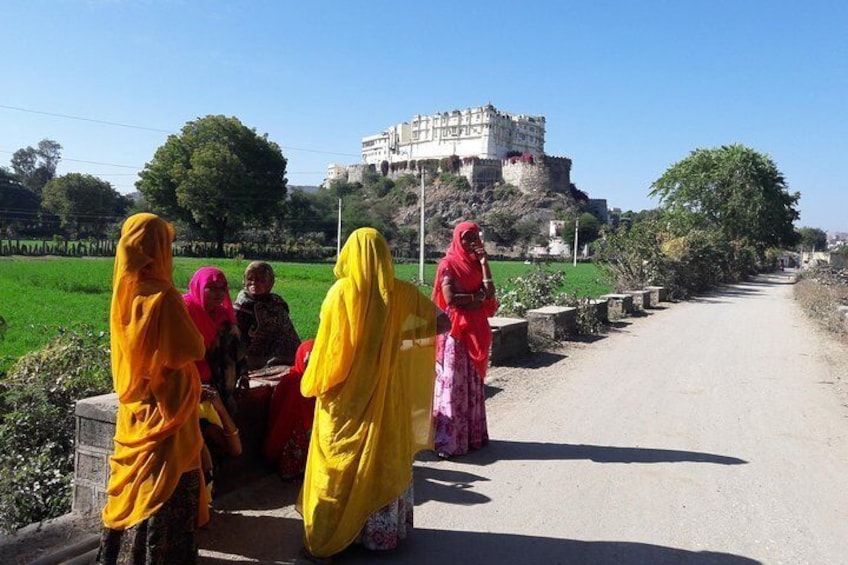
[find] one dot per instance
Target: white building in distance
(483, 132)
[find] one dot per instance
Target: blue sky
(627, 88)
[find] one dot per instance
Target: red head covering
(470, 327)
(301, 357)
(209, 325)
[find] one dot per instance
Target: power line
(132, 126)
(104, 122)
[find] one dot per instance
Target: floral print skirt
(386, 527)
(459, 406)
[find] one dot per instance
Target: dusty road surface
(706, 432)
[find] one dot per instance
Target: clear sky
(627, 87)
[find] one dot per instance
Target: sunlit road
(705, 432)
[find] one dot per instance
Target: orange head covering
(154, 345)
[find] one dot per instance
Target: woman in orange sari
(464, 289)
(152, 509)
(371, 371)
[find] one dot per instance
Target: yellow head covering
(154, 345)
(372, 370)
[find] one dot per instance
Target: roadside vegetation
(821, 291)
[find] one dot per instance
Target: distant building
(483, 132)
(335, 172)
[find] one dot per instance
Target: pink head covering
(208, 325)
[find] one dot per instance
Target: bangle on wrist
(487, 281)
(233, 433)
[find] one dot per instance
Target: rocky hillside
(453, 201)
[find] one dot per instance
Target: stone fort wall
(544, 174)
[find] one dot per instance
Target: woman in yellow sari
(372, 371)
(151, 512)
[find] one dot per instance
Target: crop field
(40, 297)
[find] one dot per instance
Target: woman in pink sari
(464, 289)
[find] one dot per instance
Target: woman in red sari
(290, 418)
(465, 290)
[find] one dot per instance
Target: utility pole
(339, 231)
(576, 227)
(421, 235)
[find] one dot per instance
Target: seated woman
(219, 431)
(263, 319)
(290, 420)
(209, 305)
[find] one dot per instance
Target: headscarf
(372, 371)
(470, 327)
(154, 343)
(301, 358)
(208, 325)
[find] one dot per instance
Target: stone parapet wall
(95, 432)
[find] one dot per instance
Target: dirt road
(707, 432)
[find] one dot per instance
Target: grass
(41, 296)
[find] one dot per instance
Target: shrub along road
(711, 431)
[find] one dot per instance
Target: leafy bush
(37, 402)
(541, 288)
(632, 258)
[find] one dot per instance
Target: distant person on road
(371, 371)
(290, 417)
(465, 290)
(263, 317)
(152, 507)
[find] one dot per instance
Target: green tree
(18, 206)
(216, 175)
(36, 166)
(84, 204)
(587, 230)
(733, 188)
(812, 238)
(503, 227)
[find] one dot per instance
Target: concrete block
(641, 298)
(552, 322)
(91, 467)
(658, 292)
(601, 309)
(509, 339)
(619, 305)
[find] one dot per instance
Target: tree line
(221, 181)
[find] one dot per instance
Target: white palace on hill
(484, 132)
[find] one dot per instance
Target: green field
(41, 296)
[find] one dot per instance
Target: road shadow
(587, 338)
(426, 546)
(252, 539)
(499, 450)
(447, 485)
(532, 360)
(268, 493)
